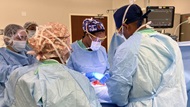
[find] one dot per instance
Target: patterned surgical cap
(45, 41)
(92, 25)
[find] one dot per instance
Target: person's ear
(86, 34)
(125, 26)
(7, 41)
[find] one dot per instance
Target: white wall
(181, 6)
(43, 11)
(141, 3)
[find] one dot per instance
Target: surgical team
(143, 68)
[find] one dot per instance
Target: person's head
(94, 33)
(30, 28)
(51, 41)
(15, 37)
(130, 18)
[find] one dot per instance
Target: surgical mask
(31, 33)
(121, 35)
(95, 45)
(19, 46)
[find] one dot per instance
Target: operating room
(73, 13)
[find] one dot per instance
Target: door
(76, 27)
(184, 29)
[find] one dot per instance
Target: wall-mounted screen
(161, 16)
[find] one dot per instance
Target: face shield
(21, 35)
(95, 41)
(17, 41)
(90, 26)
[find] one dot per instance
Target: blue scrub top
(84, 61)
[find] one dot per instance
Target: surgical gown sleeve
(5, 69)
(124, 66)
(69, 64)
(107, 71)
(115, 42)
(122, 80)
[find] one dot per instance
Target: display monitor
(161, 16)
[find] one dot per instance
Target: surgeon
(49, 83)
(147, 68)
(14, 54)
(89, 57)
(30, 28)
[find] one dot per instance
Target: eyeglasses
(21, 35)
(98, 39)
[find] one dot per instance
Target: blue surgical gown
(9, 61)
(148, 72)
(115, 42)
(85, 61)
(185, 50)
(48, 84)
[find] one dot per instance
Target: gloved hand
(92, 76)
(104, 79)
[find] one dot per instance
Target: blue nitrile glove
(92, 76)
(105, 78)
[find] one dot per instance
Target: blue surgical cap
(133, 14)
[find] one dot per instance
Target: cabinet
(184, 34)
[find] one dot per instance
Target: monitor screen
(161, 16)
